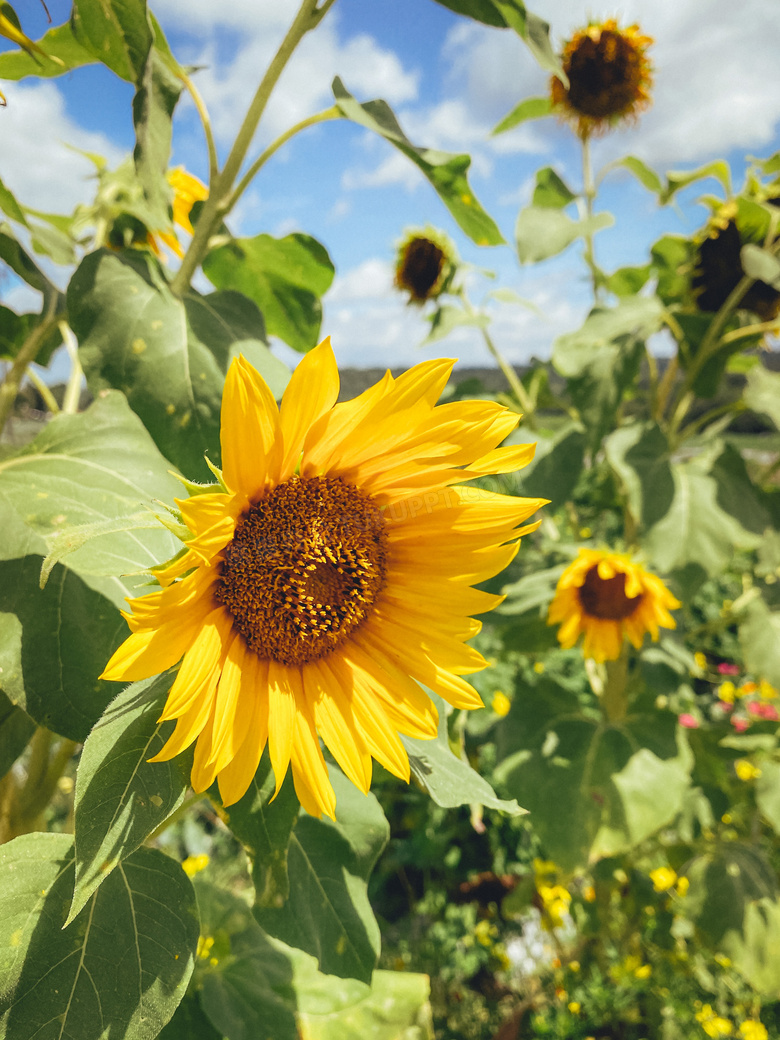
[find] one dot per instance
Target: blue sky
(449, 80)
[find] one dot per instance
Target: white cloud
(395, 169)
(35, 163)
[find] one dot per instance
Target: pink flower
(725, 706)
(724, 668)
(740, 725)
(762, 710)
(688, 720)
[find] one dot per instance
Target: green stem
(589, 193)
(665, 387)
(515, 383)
(48, 397)
(615, 696)
(205, 121)
(70, 402)
(334, 112)
(43, 772)
(214, 208)
(750, 330)
(708, 417)
(27, 354)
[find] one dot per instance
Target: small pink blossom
(724, 668)
(688, 720)
(725, 706)
(762, 710)
(740, 725)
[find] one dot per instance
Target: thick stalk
(214, 207)
(665, 386)
(27, 354)
(615, 696)
(515, 383)
(70, 402)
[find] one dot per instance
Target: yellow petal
(334, 720)
(283, 684)
(249, 433)
(235, 778)
(316, 794)
(311, 393)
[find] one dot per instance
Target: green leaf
(762, 393)
(48, 240)
(760, 264)
(189, 1022)
(639, 455)
(120, 968)
(723, 883)
(532, 592)
(446, 318)
(16, 728)
(601, 359)
(512, 14)
(542, 232)
(395, 1008)
(647, 177)
(550, 191)
(556, 467)
(23, 265)
(167, 355)
(264, 827)
(768, 792)
(755, 950)
(58, 43)
(531, 108)
(82, 469)
(14, 330)
(328, 913)
(121, 797)
(449, 780)
(285, 277)
(446, 171)
(10, 206)
(759, 636)
(627, 281)
(118, 34)
(675, 181)
(153, 106)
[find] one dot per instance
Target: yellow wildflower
(745, 769)
(663, 878)
(500, 703)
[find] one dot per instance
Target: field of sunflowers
(397, 717)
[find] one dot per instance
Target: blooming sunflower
(609, 77)
(425, 264)
(187, 190)
(609, 597)
(328, 573)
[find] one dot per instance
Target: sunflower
(326, 575)
(718, 270)
(609, 597)
(426, 262)
(187, 190)
(609, 77)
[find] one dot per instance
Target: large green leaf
(512, 14)
(639, 454)
(755, 949)
(153, 105)
(545, 231)
(768, 792)
(551, 192)
(759, 635)
(16, 728)
(395, 1008)
(285, 277)
(10, 206)
(762, 393)
(60, 43)
(168, 356)
(24, 266)
(264, 828)
(118, 34)
(119, 969)
(723, 883)
(121, 797)
(593, 787)
(328, 913)
(601, 359)
(448, 779)
(556, 466)
(446, 171)
(676, 180)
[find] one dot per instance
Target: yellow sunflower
(327, 574)
(187, 190)
(609, 77)
(426, 262)
(609, 597)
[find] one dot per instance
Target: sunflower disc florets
(425, 265)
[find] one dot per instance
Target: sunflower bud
(425, 264)
(609, 77)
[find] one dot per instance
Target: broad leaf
(759, 636)
(285, 277)
(755, 949)
(531, 108)
(762, 393)
(675, 181)
(328, 913)
(639, 454)
(118, 34)
(59, 43)
(723, 883)
(24, 266)
(761, 264)
(556, 466)
(10, 206)
(768, 792)
(447, 318)
(542, 232)
(395, 1008)
(16, 728)
(647, 177)
(550, 191)
(119, 969)
(169, 357)
(531, 592)
(153, 105)
(121, 797)
(449, 780)
(512, 14)
(445, 171)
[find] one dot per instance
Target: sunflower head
(609, 77)
(425, 265)
(608, 598)
(718, 269)
(326, 576)
(187, 190)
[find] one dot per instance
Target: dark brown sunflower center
(303, 568)
(420, 268)
(719, 269)
(606, 598)
(605, 75)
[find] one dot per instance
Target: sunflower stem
(70, 401)
(205, 121)
(615, 696)
(220, 189)
(589, 193)
(27, 354)
(515, 383)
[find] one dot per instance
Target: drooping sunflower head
(718, 267)
(326, 576)
(609, 75)
(608, 598)
(425, 265)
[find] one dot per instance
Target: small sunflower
(718, 270)
(187, 190)
(327, 574)
(608, 597)
(609, 77)
(426, 262)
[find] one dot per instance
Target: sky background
(449, 81)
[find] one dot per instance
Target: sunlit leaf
(9, 205)
(639, 455)
(646, 176)
(446, 171)
(723, 882)
(512, 14)
(761, 264)
(118, 34)
(447, 318)
(759, 635)
(762, 393)
(121, 797)
(58, 43)
(675, 181)
(550, 191)
(153, 106)
(556, 466)
(542, 232)
(755, 949)
(531, 108)
(120, 968)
